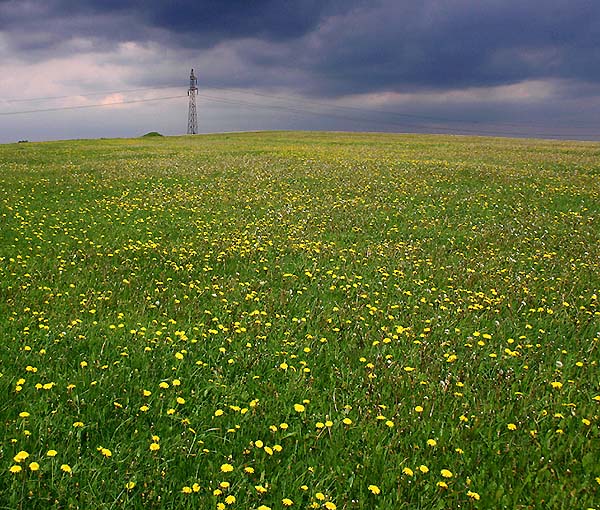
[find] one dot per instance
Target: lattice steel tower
(192, 118)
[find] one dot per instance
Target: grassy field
(304, 320)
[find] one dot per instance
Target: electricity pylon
(192, 118)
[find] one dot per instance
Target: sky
(120, 68)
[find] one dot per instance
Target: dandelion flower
(230, 500)
(51, 453)
(154, 447)
(407, 471)
(418, 409)
(423, 468)
(299, 408)
(473, 495)
(21, 456)
(287, 502)
(511, 426)
(130, 485)
(374, 489)
(446, 473)
(347, 421)
(431, 442)
(15, 469)
(34, 466)
(186, 490)
(66, 468)
(226, 468)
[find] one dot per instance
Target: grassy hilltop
(304, 320)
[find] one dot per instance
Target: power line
(395, 114)
(296, 100)
(430, 122)
(447, 130)
(71, 96)
(99, 105)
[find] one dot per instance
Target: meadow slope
(305, 320)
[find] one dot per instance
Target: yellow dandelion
(249, 470)
(51, 453)
(34, 466)
(186, 490)
(299, 408)
(21, 456)
(418, 409)
(230, 500)
(24, 414)
(473, 495)
(511, 426)
(226, 468)
(330, 505)
(130, 485)
(15, 469)
(287, 502)
(407, 471)
(154, 447)
(431, 442)
(374, 489)
(423, 468)
(443, 485)
(66, 468)
(446, 473)
(347, 421)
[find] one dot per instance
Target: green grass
(439, 294)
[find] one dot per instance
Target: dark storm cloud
(336, 47)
